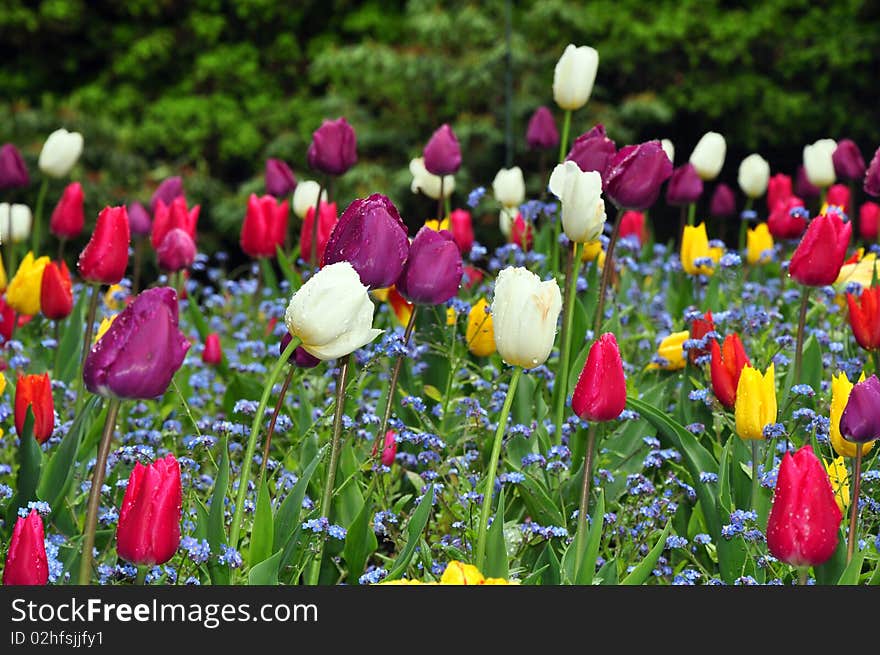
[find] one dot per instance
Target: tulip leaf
(538, 502)
(360, 543)
(496, 550)
(287, 269)
(216, 529)
(262, 537)
(608, 573)
(585, 574)
(643, 570)
(287, 515)
(269, 277)
(830, 571)
(266, 572)
(70, 345)
(30, 460)
(414, 528)
(853, 570)
(433, 393)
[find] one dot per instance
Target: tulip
(700, 327)
(139, 221)
(755, 404)
(541, 132)
(785, 221)
(804, 521)
(670, 352)
(727, 365)
(327, 217)
(148, 532)
(778, 189)
(600, 392)
(428, 183)
(68, 219)
(105, 257)
(803, 187)
(759, 244)
(280, 181)
(56, 292)
(60, 152)
(175, 215)
(839, 196)
(372, 237)
(841, 388)
(635, 174)
(401, 307)
(301, 358)
(860, 422)
(753, 176)
(213, 352)
(15, 222)
(696, 256)
(389, 450)
(817, 260)
(13, 172)
(838, 476)
(265, 226)
(106, 322)
(462, 230)
(869, 220)
(632, 224)
(34, 392)
(333, 149)
(848, 161)
(872, 176)
(3, 280)
(583, 210)
(524, 314)
(442, 154)
(864, 317)
(818, 163)
(141, 350)
(593, 150)
(574, 76)
(472, 277)
(685, 186)
(480, 333)
(26, 561)
(7, 320)
(708, 155)
(506, 217)
(669, 149)
(305, 197)
(522, 233)
(168, 190)
(509, 187)
(23, 293)
(432, 272)
(723, 201)
(177, 251)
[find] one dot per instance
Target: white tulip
(708, 155)
(428, 183)
(15, 222)
(505, 220)
(305, 197)
(818, 163)
(60, 152)
(574, 76)
(669, 149)
(509, 187)
(754, 173)
(332, 313)
(524, 313)
(583, 210)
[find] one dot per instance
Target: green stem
(854, 505)
(803, 572)
(561, 386)
(563, 141)
(86, 346)
(802, 322)
(875, 357)
(585, 496)
(252, 442)
(453, 365)
(392, 386)
(755, 482)
(85, 563)
(315, 223)
(440, 199)
(744, 225)
(493, 468)
(606, 275)
(141, 578)
(563, 150)
(271, 430)
(38, 216)
(692, 213)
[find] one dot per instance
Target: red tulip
(26, 561)
(175, 215)
(177, 251)
(728, 362)
(699, 329)
(327, 218)
(462, 229)
(471, 277)
(817, 260)
(600, 392)
(864, 317)
(35, 392)
(68, 218)
(869, 219)
(389, 451)
(805, 519)
(105, 256)
(7, 320)
(778, 189)
(56, 292)
(213, 352)
(264, 227)
(784, 222)
(522, 233)
(839, 196)
(633, 224)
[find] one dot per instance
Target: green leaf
(853, 570)
(262, 536)
(639, 574)
(608, 573)
(269, 277)
(433, 393)
(538, 502)
(360, 543)
(584, 575)
(287, 515)
(496, 550)
(266, 572)
(70, 345)
(287, 269)
(414, 528)
(30, 460)
(216, 530)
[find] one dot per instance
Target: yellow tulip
(592, 251)
(755, 402)
(105, 325)
(862, 272)
(113, 299)
(840, 390)
(3, 279)
(459, 573)
(23, 294)
(837, 474)
(695, 246)
(480, 333)
(451, 316)
(437, 225)
(670, 349)
(2, 384)
(760, 243)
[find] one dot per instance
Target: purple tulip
(872, 177)
(280, 181)
(685, 186)
(432, 272)
(371, 236)
(167, 191)
(860, 421)
(723, 202)
(177, 251)
(141, 350)
(848, 161)
(139, 221)
(301, 358)
(542, 132)
(13, 172)
(635, 174)
(442, 154)
(334, 147)
(803, 188)
(593, 151)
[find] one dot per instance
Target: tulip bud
(635, 174)
(872, 176)
(869, 220)
(389, 450)
(34, 392)
(524, 313)
(509, 187)
(574, 76)
(462, 229)
(67, 218)
(213, 352)
(141, 350)
(15, 222)
(593, 150)
(480, 333)
(700, 327)
(685, 186)
(541, 132)
(860, 422)
(334, 147)
(506, 217)
(139, 221)
(723, 202)
(804, 521)
(56, 291)
(176, 252)
(583, 210)
(264, 227)
(759, 244)
(522, 233)
(432, 272)
(23, 293)
(280, 181)
(669, 149)
(670, 352)
(848, 161)
(148, 532)
(600, 392)
(7, 320)
(841, 388)
(371, 236)
(167, 192)
(105, 257)
(753, 176)
(327, 217)
(428, 183)
(727, 365)
(785, 222)
(818, 163)
(305, 197)
(26, 561)
(817, 260)
(13, 172)
(60, 152)
(697, 258)
(708, 155)
(442, 154)
(632, 224)
(838, 196)
(778, 189)
(755, 405)
(169, 217)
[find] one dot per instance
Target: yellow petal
(459, 573)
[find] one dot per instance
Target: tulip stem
(606, 275)
(692, 212)
(493, 468)
(61, 243)
(440, 201)
(744, 224)
(561, 385)
(563, 141)
(85, 562)
(275, 413)
(585, 496)
(327, 496)
(86, 346)
(802, 322)
(854, 505)
(755, 483)
(392, 385)
(803, 572)
(252, 441)
(875, 357)
(315, 223)
(38, 215)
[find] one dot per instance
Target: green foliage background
(210, 88)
